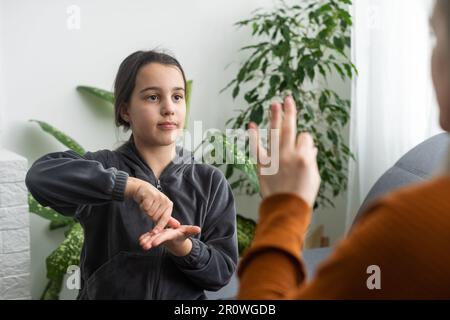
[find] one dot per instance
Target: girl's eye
(152, 98)
(178, 97)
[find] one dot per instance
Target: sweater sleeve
(272, 265)
(273, 268)
(213, 258)
(66, 180)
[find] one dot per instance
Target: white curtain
(394, 106)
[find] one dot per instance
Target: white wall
(45, 61)
(2, 73)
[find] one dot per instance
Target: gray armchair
(417, 165)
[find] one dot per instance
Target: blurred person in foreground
(405, 234)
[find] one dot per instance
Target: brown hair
(126, 78)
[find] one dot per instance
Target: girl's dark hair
(126, 78)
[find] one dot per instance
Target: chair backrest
(417, 165)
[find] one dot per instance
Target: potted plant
(296, 50)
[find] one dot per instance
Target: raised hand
(298, 172)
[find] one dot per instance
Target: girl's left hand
(175, 240)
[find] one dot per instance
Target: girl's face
(157, 107)
(440, 65)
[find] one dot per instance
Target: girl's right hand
(153, 202)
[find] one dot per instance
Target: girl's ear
(124, 113)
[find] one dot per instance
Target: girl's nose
(168, 109)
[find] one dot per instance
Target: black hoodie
(113, 265)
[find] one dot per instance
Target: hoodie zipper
(158, 185)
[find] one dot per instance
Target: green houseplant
(297, 49)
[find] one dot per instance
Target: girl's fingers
(146, 245)
(146, 241)
(169, 234)
(153, 208)
(151, 239)
(163, 220)
(173, 223)
(172, 234)
(149, 210)
(191, 230)
(146, 236)
(158, 213)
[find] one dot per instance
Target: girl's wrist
(179, 249)
(131, 187)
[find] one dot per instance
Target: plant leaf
(189, 85)
(245, 232)
(241, 162)
(257, 114)
(61, 137)
(47, 213)
(54, 225)
(67, 254)
(99, 93)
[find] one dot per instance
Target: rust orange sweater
(406, 234)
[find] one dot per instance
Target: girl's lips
(167, 126)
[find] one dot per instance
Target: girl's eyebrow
(159, 89)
